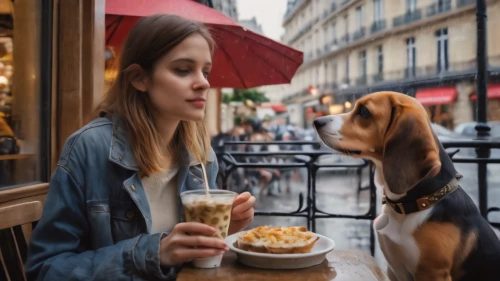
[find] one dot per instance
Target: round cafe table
(339, 265)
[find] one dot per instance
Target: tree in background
(243, 95)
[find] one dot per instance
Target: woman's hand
(178, 246)
(242, 213)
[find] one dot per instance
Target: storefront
(493, 102)
(438, 102)
(51, 74)
(447, 107)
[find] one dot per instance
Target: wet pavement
(337, 193)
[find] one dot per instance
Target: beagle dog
(429, 229)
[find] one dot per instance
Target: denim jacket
(96, 222)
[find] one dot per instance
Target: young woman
(113, 210)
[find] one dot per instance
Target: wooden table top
(340, 265)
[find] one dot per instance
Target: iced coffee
(214, 210)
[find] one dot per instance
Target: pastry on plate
(277, 240)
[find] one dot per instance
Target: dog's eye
(363, 112)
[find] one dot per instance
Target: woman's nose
(201, 82)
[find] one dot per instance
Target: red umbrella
(243, 59)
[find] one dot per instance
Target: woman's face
(178, 87)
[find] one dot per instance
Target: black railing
(360, 33)
(407, 18)
(377, 26)
(309, 209)
(439, 7)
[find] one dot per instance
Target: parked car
(468, 129)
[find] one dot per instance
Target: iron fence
(309, 209)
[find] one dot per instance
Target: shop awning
(434, 96)
(278, 108)
(493, 92)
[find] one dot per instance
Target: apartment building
(424, 48)
(227, 7)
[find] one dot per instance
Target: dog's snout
(321, 121)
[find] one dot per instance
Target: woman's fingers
(245, 206)
(202, 241)
(195, 227)
(242, 198)
(245, 215)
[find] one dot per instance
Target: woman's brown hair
(150, 39)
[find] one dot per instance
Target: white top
(161, 192)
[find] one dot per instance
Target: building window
(362, 63)
(334, 72)
(347, 70)
(334, 31)
(327, 38)
(411, 6)
(359, 17)
(378, 10)
(24, 99)
(380, 59)
(346, 20)
(411, 56)
(442, 49)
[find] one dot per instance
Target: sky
(269, 14)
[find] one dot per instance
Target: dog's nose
(321, 121)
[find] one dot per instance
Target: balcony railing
(358, 34)
(410, 72)
(304, 30)
(344, 40)
(378, 77)
(377, 26)
(439, 7)
(462, 3)
(407, 18)
(362, 80)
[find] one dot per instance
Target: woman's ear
(137, 77)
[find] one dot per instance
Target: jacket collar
(121, 152)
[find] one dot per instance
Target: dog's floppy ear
(410, 151)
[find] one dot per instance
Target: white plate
(323, 246)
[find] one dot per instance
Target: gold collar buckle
(423, 203)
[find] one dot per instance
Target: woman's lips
(198, 103)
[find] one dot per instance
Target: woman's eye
(182, 71)
(206, 74)
(363, 112)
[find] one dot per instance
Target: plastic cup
(214, 211)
